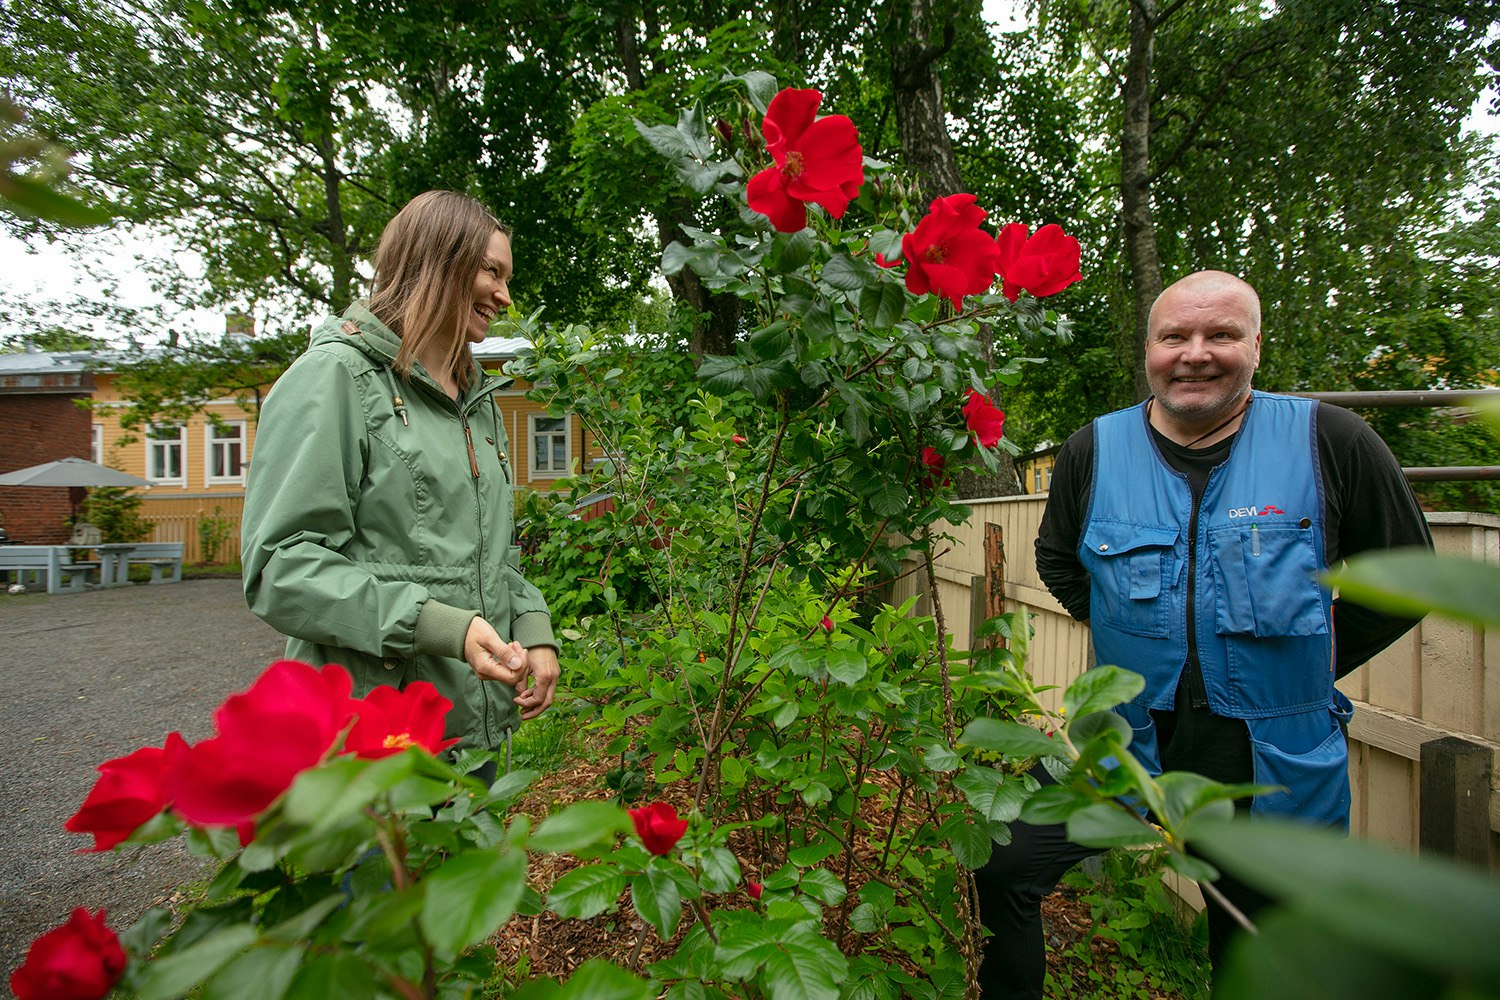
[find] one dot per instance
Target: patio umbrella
(70, 472)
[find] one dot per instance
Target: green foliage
(1131, 907)
(213, 532)
(35, 193)
(116, 512)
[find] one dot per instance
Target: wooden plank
(1456, 778)
(994, 569)
(1404, 736)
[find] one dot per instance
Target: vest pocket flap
(1137, 553)
(1108, 539)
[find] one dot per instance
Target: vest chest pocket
(1264, 578)
(1131, 565)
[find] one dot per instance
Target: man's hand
(544, 670)
(492, 658)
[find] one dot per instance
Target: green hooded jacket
(378, 522)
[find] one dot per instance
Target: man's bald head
(1202, 284)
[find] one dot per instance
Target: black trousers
(1019, 875)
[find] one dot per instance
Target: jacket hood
(359, 328)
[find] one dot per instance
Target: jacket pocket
(1315, 782)
(1133, 567)
(1265, 580)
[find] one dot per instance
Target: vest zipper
(1197, 690)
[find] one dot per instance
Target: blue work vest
(1262, 622)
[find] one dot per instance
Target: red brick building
(40, 421)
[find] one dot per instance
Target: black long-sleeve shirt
(1368, 506)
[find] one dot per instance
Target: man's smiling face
(1202, 350)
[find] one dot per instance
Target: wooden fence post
(1455, 804)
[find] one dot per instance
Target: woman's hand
(492, 658)
(542, 665)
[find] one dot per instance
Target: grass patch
(546, 743)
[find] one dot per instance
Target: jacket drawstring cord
(396, 401)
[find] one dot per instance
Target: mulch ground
(549, 945)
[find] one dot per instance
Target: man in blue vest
(1187, 531)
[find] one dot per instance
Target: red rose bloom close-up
(948, 254)
(984, 418)
(129, 792)
(388, 721)
(1042, 264)
(268, 734)
(79, 960)
(658, 827)
(818, 160)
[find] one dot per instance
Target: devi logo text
(1255, 511)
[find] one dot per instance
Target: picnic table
(63, 573)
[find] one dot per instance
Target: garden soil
(85, 678)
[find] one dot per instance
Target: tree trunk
(1137, 217)
(922, 121)
(716, 319)
(921, 118)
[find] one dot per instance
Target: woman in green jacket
(378, 517)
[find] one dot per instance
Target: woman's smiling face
(491, 286)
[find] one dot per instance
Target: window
(96, 445)
(165, 447)
(225, 448)
(1036, 479)
(549, 445)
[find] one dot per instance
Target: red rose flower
(934, 461)
(1043, 264)
(128, 792)
(754, 889)
(826, 623)
(738, 439)
(389, 721)
(984, 418)
(818, 160)
(658, 827)
(282, 725)
(948, 253)
(79, 960)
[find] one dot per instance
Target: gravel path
(85, 678)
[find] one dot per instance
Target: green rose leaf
(583, 824)
(586, 892)
(263, 973)
(597, 979)
(470, 896)
(657, 900)
(1104, 824)
(1013, 739)
(339, 974)
(171, 976)
(847, 666)
(1101, 688)
(994, 796)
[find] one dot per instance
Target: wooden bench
(163, 558)
(51, 563)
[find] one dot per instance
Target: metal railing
(1420, 397)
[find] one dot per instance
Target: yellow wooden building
(197, 469)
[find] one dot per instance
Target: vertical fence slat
(1455, 804)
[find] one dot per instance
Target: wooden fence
(176, 519)
(1434, 695)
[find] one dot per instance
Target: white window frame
(96, 443)
(155, 441)
(211, 445)
(537, 472)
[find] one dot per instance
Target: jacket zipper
(1197, 687)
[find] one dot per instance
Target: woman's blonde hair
(425, 266)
